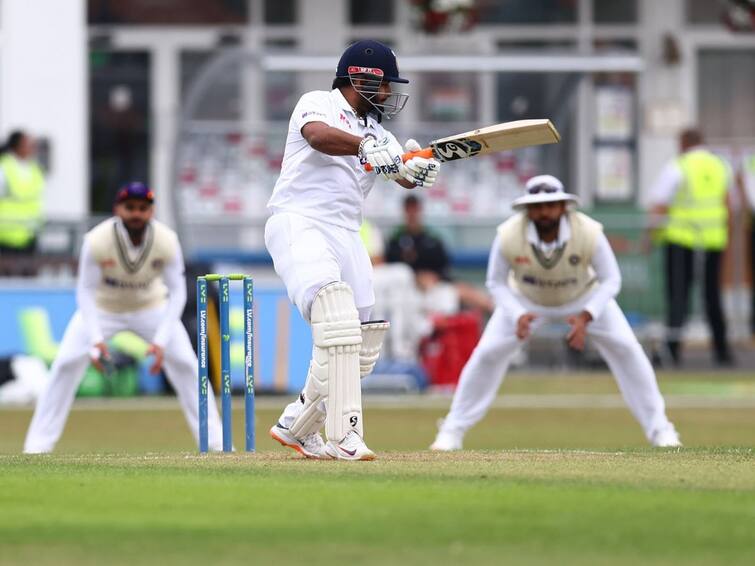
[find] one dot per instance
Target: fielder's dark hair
(13, 141)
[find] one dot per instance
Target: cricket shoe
(352, 447)
(447, 441)
(311, 446)
(666, 438)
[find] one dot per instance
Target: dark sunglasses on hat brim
(543, 188)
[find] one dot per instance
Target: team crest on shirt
(574, 259)
(158, 264)
(107, 263)
(522, 260)
(344, 120)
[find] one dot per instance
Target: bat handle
(426, 153)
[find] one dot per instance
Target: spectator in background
(413, 244)
(397, 300)
(690, 211)
(21, 195)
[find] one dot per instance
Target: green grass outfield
(564, 477)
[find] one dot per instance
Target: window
(449, 97)
(523, 96)
(118, 123)
(614, 11)
(704, 12)
(162, 12)
(528, 12)
(363, 12)
(726, 93)
(280, 12)
(220, 102)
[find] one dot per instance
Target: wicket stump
(224, 282)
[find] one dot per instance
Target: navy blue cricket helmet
(366, 55)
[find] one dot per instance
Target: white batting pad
(334, 371)
(373, 335)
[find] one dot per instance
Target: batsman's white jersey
(316, 207)
(123, 287)
(609, 330)
(326, 188)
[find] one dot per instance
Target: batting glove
(384, 155)
(420, 170)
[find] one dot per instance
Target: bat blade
(500, 137)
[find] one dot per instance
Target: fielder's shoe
(447, 441)
(311, 446)
(666, 438)
(352, 447)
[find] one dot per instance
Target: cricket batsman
(313, 238)
(131, 277)
(550, 263)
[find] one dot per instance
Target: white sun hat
(543, 188)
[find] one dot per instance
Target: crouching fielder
(550, 263)
(313, 238)
(131, 277)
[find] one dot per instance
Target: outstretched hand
(98, 355)
(157, 352)
(523, 329)
(578, 332)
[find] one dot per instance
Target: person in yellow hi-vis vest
(689, 201)
(21, 195)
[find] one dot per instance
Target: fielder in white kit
(551, 263)
(313, 238)
(131, 277)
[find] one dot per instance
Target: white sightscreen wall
(43, 90)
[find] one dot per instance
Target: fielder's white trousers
(179, 362)
(307, 255)
(611, 335)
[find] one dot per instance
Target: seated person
(413, 244)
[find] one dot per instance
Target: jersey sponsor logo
(130, 285)
(158, 264)
(522, 260)
(355, 70)
(457, 149)
(107, 263)
(312, 113)
(574, 259)
(549, 283)
(344, 120)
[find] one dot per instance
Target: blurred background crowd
(193, 97)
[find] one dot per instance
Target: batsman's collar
(346, 107)
(543, 188)
(134, 190)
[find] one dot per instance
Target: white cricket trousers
(179, 362)
(610, 333)
(308, 254)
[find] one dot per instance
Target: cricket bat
(501, 137)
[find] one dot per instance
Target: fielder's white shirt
(324, 187)
(603, 262)
(90, 277)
